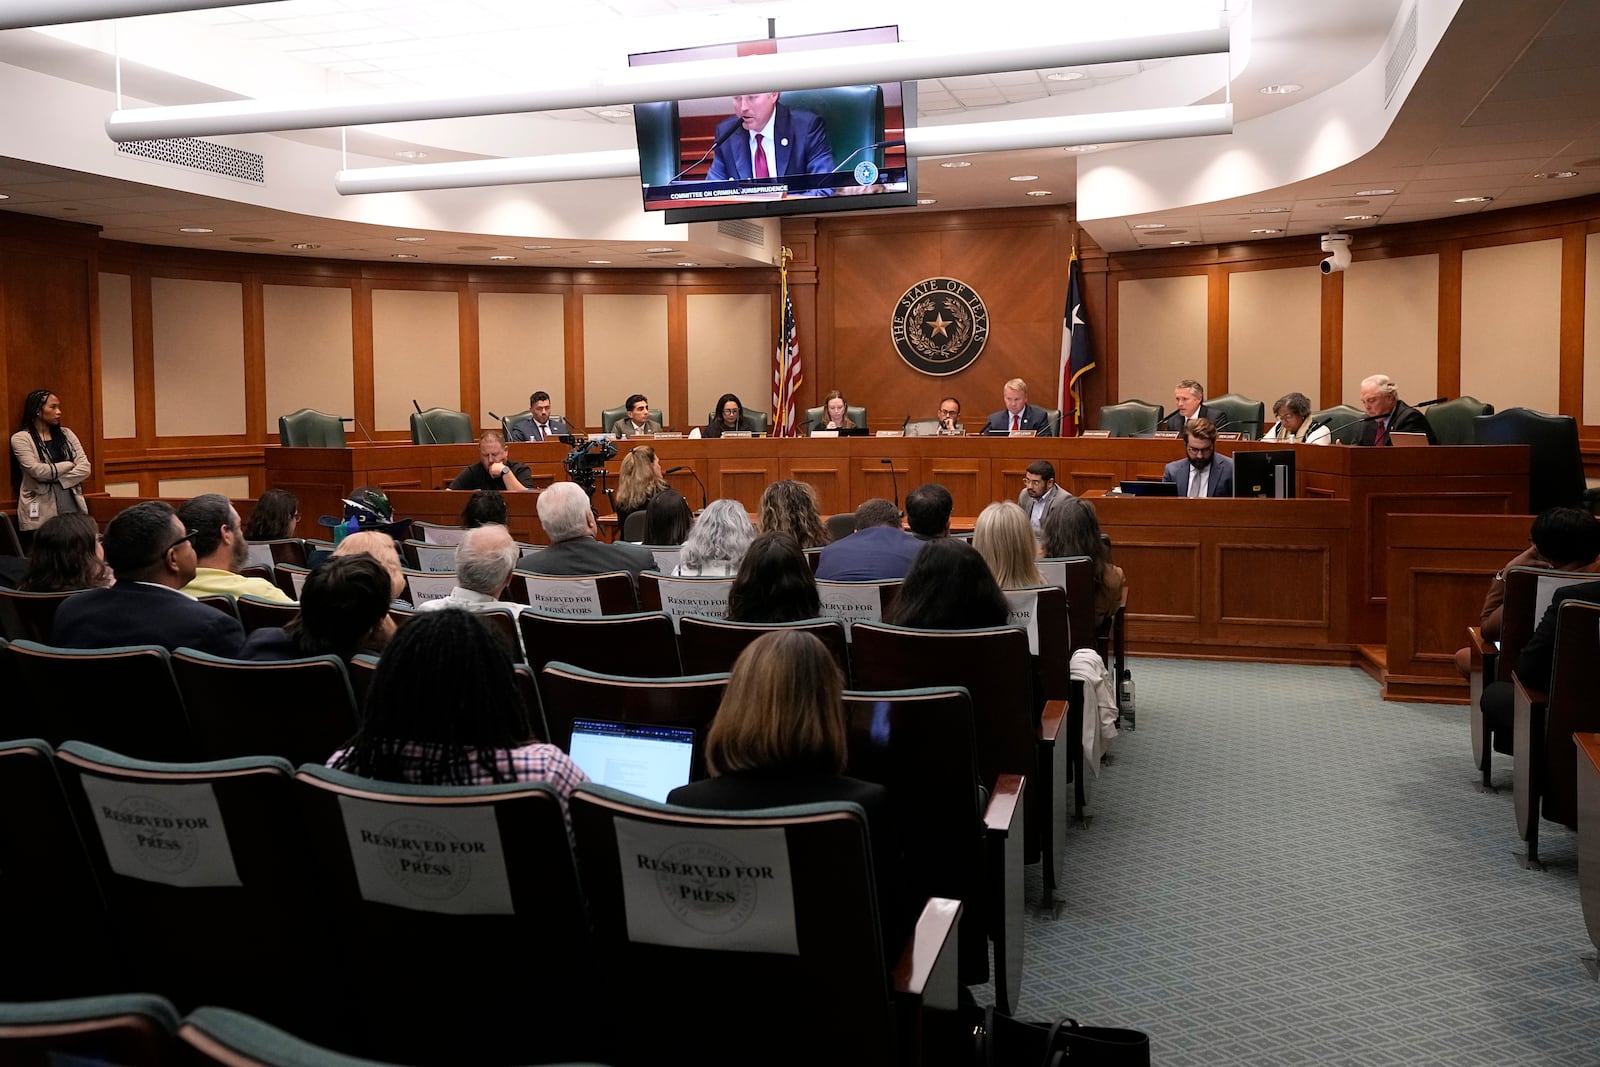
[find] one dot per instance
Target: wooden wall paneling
(1330, 386)
(683, 418)
(1299, 597)
(1574, 279)
(968, 481)
(467, 349)
(1450, 319)
(870, 477)
(577, 402)
(743, 480)
(255, 373)
(144, 374)
(1216, 377)
(826, 466)
(361, 354)
(813, 289)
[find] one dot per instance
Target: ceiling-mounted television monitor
(796, 152)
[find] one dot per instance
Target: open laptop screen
(647, 761)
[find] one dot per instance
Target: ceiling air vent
(742, 230)
(1405, 50)
(196, 154)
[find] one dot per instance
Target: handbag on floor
(1001, 1041)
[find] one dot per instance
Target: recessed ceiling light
(411, 239)
(1375, 192)
(1065, 76)
(5, 196)
(1283, 89)
(536, 248)
(661, 248)
(501, 259)
(404, 255)
(1558, 174)
(1180, 242)
(925, 201)
(1023, 178)
(1360, 218)
(192, 229)
(1040, 192)
(1081, 148)
(599, 262)
(410, 153)
(1149, 225)
(688, 264)
(1267, 210)
(304, 246)
(615, 113)
(1473, 199)
(1269, 230)
(955, 164)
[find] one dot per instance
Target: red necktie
(761, 160)
(1014, 426)
(1383, 432)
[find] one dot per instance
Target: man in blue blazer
(153, 557)
(878, 550)
(540, 425)
(1204, 473)
(1018, 414)
(792, 141)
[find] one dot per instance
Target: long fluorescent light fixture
(24, 14)
(1200, 120)
(903, 61)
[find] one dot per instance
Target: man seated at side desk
(494, 469)
(568, 521)
(1203, 473)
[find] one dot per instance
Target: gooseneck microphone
(895, 483)
(363, 429)
(898, 142)
(696, 476)
(424, 421)
(714, 146)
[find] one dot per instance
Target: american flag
(786, 372)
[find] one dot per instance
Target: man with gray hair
(485, 558)
(1188, 398)
(1387, 414)
(568, 521)
(878, 551)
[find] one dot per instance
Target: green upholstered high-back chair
(609, 417)
(851, 412)
(1452, 420)
(1129, 418)
(441, 426)
(758, 420)
(309, 428)
(133, 1029)
(1244, 415)
(508, 421)
(1344, 422)
(656, 124)
(853, 115)
(1555, 465)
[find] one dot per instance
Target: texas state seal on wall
(940, 326)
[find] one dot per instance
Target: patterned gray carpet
(1284, 869)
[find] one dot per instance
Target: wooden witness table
(1307, 580)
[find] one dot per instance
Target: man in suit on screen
(766, 139)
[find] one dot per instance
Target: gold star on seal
(940, 326)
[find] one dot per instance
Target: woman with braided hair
(48, 463)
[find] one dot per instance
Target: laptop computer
(1149, 488)
(647, 761)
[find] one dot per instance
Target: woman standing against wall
(49, 464)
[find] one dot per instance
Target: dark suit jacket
(801, 146)
(874, 554)
(135, 613)
(1057, 497)
(1033, 418)
(714, 428)
(585, 555)
(1220, 483)
(1176, 421)
(1537, 661)
(476, 477)
(528, 430)
(1403, 419)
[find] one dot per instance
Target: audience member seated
(1005, 540)
(484, 507)
(1204, 473)
(344, 610)
(1535, 663)
(1187, 399)
(485, 559)
(779, 739)
(1074, 530)
(1040, 494)
(443, 709)
(729, 417)
(718, 542)
(877, 551)
(222, 551)
(66, 556)
(639, 480)
(833, 417)
(1018, 414)
(774, 583)
(494, 469)
(275, 516)
(1295, 424)
(381, 547)
(148, 550)
(928, 508)
(949, 587)
(569, 523)
(1563, 539)
(1387, 414)
(667, 519)
(791, 507)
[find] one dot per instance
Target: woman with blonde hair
(1004, 538)
(791, 507)
(640, 479)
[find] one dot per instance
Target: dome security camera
(1339, 245)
